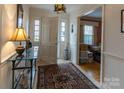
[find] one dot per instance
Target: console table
(28, 59)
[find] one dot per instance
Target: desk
(29, 56)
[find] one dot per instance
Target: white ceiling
(50, 7)
(96, 13)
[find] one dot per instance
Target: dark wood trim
(91, 20)
(17, 16)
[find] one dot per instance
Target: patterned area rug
(62, 76)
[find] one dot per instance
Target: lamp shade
(19, 35)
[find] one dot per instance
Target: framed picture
(122, 21)
(19, 15)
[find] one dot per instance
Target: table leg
(13, 74)
(35, 64)
(31, 74)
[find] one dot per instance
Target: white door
(53, 33)
(48, 48)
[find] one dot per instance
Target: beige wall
(8, 27)
(113, 46)
(8, 20)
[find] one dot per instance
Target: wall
(113, 47)
(8, 25)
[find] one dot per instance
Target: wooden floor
(92, 70)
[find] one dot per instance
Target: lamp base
(20, 49)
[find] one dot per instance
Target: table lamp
(18, 36)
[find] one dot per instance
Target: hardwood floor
(92, 70)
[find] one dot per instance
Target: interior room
(90, 43)
(61, 46)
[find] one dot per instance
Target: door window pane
(62, 38)
(37, 28)
(37, 22)
(36, 33)
(63, 24)
(62, 28)
(62, 32)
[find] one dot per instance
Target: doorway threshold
(59, 61)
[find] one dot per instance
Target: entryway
(90, 43)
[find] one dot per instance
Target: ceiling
(96, 13)
(50, 7)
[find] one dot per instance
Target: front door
(48, 47)
(53, 33)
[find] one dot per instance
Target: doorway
(90, 43)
